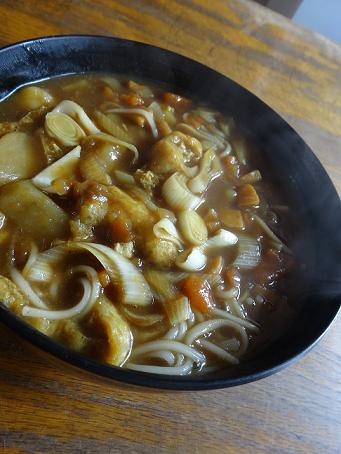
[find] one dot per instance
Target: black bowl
(294, 168)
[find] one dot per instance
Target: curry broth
(231, 282)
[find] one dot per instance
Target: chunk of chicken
(176, 153)
(155, 250)
(160, 252)
(147, 179)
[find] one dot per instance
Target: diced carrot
(247, 196)
(199, 293)
(177, 101)
(132, 99)
(134, 86)
(232, 168)
(120, 231)
(138, 119)
(108, 92)
(231, 277)
(231, 218)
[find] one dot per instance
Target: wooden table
(49, 407)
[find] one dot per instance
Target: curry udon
(135, 228)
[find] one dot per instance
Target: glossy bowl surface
(294, 167)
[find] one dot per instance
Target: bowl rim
(145, 379)
(192, 382)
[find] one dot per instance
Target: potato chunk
(21, 157)
(33, 212)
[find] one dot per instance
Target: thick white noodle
(226, 295)
(219, 352)
(182, 331)
(112, 139)
(184, 369)
(227, 151)
(171, 345)
(211, 325)
(235, 307)
(199, 134)
(271, 234)
(64, 313)
(176, 332)
(179, 359)
(242, 321)
(163, 355)
(25, 287)
(172, 333)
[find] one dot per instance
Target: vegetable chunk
(46, 219)
(26, 157)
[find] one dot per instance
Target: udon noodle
(134, 227)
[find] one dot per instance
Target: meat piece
(176, 153)
(159, 252)
(147, 179)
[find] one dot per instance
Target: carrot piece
(120, 231)
(232, 168)
(108, 92)
(199, 293)
(231, 218)
(177, 101)
(231, 277)
(132, 99)
(138, 119)
(247, 196)
(134, 86)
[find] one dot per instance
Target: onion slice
(145, 113)
(77, 113)
(134, 287)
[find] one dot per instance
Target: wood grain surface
(49, 407)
